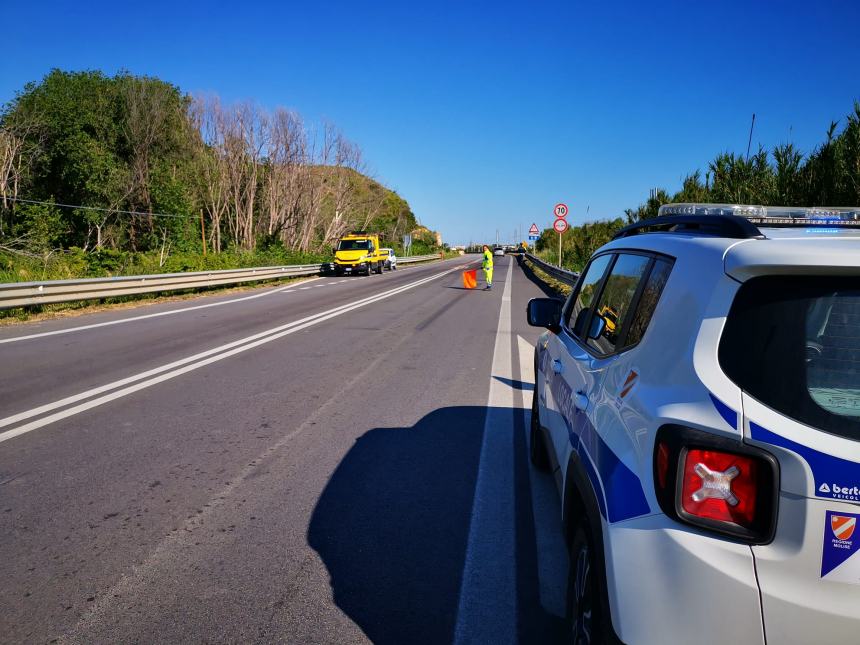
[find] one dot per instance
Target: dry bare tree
(205, 113)
(246, 131)
(20, 145)
(285, 164)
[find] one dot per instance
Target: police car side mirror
(598, 326)
(544, 312)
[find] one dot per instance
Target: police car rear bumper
(669, 584)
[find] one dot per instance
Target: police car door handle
(557, 366)
(580, 401)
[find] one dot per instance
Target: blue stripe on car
(835, 478)
(619, 491)
(725, 411)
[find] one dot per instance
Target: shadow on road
(516, 384)
(392, 525)
(393, 522)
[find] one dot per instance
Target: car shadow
(392, 526)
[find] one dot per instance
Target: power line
(94, 208)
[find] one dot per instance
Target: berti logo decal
(824, 488)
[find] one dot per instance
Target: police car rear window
(793, 343)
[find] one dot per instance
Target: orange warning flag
(470, 279)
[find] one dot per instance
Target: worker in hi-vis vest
(488, 267)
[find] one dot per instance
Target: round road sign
(560, 225)
(560, 210)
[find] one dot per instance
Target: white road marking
(487, 611)
(176, 368)
(303, 288)
(69, 330)
(552, 559)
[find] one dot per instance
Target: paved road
(328, 461)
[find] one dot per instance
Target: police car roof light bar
(717, 225)
(771, 216)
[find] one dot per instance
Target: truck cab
(358, 252)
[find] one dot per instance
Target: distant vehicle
(390, 261)
(358, 252)
(697, 400)
(499, 251)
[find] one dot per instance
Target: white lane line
(487, 610)
(303, 288)
(69, 330)
(552, 559)
(185, 365)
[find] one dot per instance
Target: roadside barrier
(562, 275)
(23, 294)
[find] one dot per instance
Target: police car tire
(537, 448)
(583, 600)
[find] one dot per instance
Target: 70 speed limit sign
(561, 211)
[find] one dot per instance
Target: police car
(705, 437)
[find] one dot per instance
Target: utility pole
(749, 143)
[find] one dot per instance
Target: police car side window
(614, 304)
(651, 292)
(577, 311)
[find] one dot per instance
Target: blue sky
(483, 115)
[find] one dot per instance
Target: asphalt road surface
(330, 461)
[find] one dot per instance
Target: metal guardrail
(562, 275)
(22, 294)
(420, 258)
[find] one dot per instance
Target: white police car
(697, 399)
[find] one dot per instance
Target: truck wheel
(537, 446)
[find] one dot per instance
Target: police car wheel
(537, 447)
(583, 604)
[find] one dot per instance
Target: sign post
(560, 224)
(534, 233)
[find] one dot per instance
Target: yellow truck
(358, 252)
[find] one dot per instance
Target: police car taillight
(716, 483)
(719, 486)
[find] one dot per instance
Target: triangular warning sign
(824, 488)
(534, 230)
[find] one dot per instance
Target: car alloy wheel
(581, 591)
(537, 447)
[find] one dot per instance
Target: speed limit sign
(560, 225)
(560, 211)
